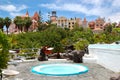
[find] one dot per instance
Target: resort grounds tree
(116, 34)
(13, 40)
(100, 38)
(7, 22)
(108, 29)
(116, 30)
(45, 25)
(58, 38)
(31, 40)
(49, 37)
(1, 23)
(52, 37)
(42, 26)
(4, 52)
(114, 25)
(28, 22)
(81, 33)
(19, 22)
(81, 44)
(88, 35)
(28, 40)
(112, 37)
(40, 17)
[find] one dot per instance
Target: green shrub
(81, 45)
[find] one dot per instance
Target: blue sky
(91, 9)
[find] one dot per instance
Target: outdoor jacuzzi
(108, 55)
(61, 69)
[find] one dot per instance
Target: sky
(91, 9)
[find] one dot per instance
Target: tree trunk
(7, 31)
(1, 74)
(21, 29)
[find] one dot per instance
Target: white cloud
(14, 14)
(74, 7)
(51, 6)
(58, 1)
(22, 7)
(116, 3)
(67, 7)
(102, 8)
(79, 8)
(115, 17)
(8, 8)
(93, 2)
(12, 8)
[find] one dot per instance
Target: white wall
(109, 58)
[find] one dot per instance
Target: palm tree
(28, 22)
(7, 21)
(1, 23)
(19, 22)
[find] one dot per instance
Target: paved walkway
(96, 72)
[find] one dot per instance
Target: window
(97, 25)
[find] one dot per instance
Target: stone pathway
(96, 72)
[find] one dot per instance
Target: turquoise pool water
(60, 69)
(105, 46)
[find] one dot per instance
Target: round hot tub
(60, 69)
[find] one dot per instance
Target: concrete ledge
(89, 59)
(57, 59)
(29, 60)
